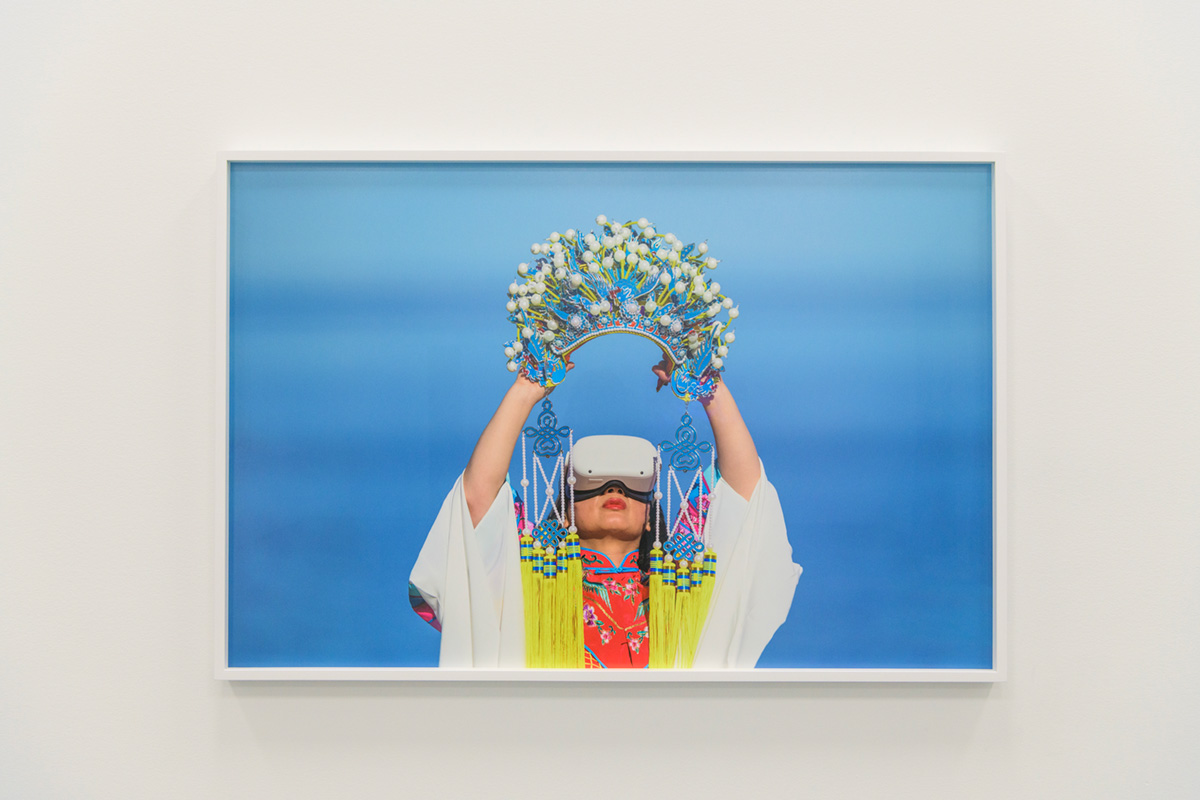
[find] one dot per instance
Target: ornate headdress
(623, 281)
(653, 286)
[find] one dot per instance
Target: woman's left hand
(663, 370)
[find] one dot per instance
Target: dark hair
(655, 513)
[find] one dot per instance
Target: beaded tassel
(546, 608)
(659, 606)
(529, 595)
(658, 610)
(669, 643)
(575, 608)
(702, 590)
(683, 614)
(575, 565)
(533, 631)
(524, 487)
(562, 612)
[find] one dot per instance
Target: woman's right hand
(542, 391)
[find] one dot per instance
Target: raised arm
(735, 447)
(488, 467)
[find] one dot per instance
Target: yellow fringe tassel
(575, 590)
(546, 608)
(552, 584)
(683, 614)
(657, 621)
(680, 596)
(562, 611)
(702, 589)
(533, 631)
(668, 644)
(552, 588)
(529, 593)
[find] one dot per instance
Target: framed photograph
(378, 312)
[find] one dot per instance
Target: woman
(468, 571)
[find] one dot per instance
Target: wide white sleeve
(470, 576)
(756, 578)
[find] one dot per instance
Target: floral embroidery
(596, 591)
(616, 628)
(631, 591)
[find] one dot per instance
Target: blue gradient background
(366, 326)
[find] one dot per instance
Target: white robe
(471, 578)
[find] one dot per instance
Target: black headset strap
(586, 494)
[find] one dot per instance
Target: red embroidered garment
(616, 627)
(615, 624)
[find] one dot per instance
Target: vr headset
(601, 462)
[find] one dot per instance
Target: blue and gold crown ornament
(629, 279)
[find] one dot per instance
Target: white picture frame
(222, 669)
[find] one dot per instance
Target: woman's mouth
(617, 503)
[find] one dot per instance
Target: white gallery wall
(111, 118)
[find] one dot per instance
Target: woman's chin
(611, 533)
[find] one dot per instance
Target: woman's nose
(615, 489)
